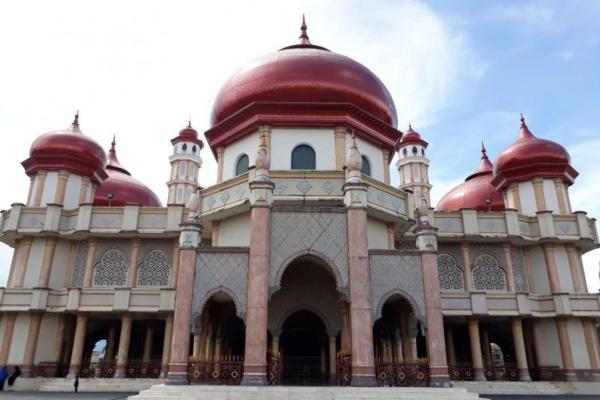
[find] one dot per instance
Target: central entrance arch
(304, 348)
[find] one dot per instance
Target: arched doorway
(304, 350)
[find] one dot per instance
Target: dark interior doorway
(304, 350)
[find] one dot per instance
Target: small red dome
(530, 157)
(68, 149)
(476, 192)
(188, 134)
(305, 73)
(123, 187)
(411, 137)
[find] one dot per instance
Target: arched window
(449, 272)
(414, 150)
(366, 166)
(303, 157)
(242, 164)
(405, 152)
(194, 149)
(111, 270)
(154, 270)
(488, 274)
(184, 147)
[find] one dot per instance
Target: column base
(479, 375)
(120, 373)
(570, 375)
(254, 379)
(26, 371)
(439, 377)
(178, 374)
(524, 375)
(73, 371)
(363, 380)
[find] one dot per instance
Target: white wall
(19, 339)
(550, 196)
(563, 269)
(581, 358)
(49, 192)
(48, 331)
(527, 197)
(60, 264)
(284, 140)
(550, 343)
(541, 282)
(246, 145)
(34, 264)
(72, 192)
(373, 153)
(377, 234)
(235, 231)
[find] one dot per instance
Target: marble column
(538, 343)
(519, 343)
(61, 187)
(111, 342)
(123, 351)
(180, 343)
(346, 333)
(132, 272)
(59, 339)
(398, 341)
(78, 342)
(464, 246)
(196, 349)
(550, 260)
(47, 258)
(89, 263)
(475, 342)
(148, 341)
(166, 353)
(576, 268)
(565, 349)
(510, 278)
(9, 328)
(450, 347)
(21, 265)
(332, 357)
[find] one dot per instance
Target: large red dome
(68, 149)
(305, 73)
(123, 188)
(476, 192)
(530, 157)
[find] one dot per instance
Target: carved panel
(450, 273)
(154, 267)
(111, 269)
(79, 267)
(519, 271)
(488, 274)
(225, 272)
(316, 232)
(396, 274)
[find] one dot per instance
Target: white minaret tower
(185, 165)
(413, 168)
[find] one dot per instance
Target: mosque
(302, 264)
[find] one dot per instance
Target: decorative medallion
(304, 186)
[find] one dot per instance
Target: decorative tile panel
(519, 271)
(79, 267)
(450, 273)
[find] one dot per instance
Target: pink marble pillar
(180, 343)
(255, 358)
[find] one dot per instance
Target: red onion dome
(476, 192)
(188, 134)
(305, 73)
(411, 137)
(531, 157)
(121, 188)
(68, 149)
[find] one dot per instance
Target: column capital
(191, 233)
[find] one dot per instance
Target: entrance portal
(304, 350)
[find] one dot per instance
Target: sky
(460, 71)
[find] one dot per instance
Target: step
(531, 388)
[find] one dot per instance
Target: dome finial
(409, 126)
(189, 122)
(303, 35)
(525, 133)
(114, 141)
(76, 119)
(483, 151)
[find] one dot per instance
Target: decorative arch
(239, 308)
(154, 270)
(488, 273)
(304, 157)
(395, 293)
(450, 273)
(111, 268)
(242, 164)
(318, 313)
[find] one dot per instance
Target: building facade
(302, 264)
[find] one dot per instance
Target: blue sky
(460, 71)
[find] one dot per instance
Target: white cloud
(528, 17)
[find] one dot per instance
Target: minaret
(413, 168)
(185, 165)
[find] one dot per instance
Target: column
(391, 236)
(208, 345)
(386, 167)
(510, 278)
(111, 342)
(13, 262)
(166, 353)
(83, 192)
(220, 157)
(180, 344)
(475, 342)
(37, 198)
(551, 267)
(196, 344)
(78, 342)
(332, 357)
(48, 257)
(89, 263)
(148, 342)
(31, 345)
(413, 348)
(558, 185)
(398, 339)
(538, 343)
(175, 268)
(538, 190)
(565, 349)
(59, 339)
(61, 187)
(255, 359)
(218, 347)
(133, 263)
(9, 328)
(519, 342)
(123, 351)
(450, 347)
(513, 190)
(591, 341)
(21, 265)
(464, 247)
(215, 233)
(577, 275)
(340, 146)
(346, 334)
(275, 333)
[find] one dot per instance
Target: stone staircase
(94, 385)
(522, 388)
(205, 392)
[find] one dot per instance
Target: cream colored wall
(72, 192)
(235, 231)
(284, 140)
(550, 343)
(373, 153)
(49, 188)
(48, 331)
(541, 282)
(19, 339)
(564, 269)
(246, 145)
(527, 197)
(34, 264)
(34, 190)
(377, 234)
(60, 264)
(578, 346)
(550, 196)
